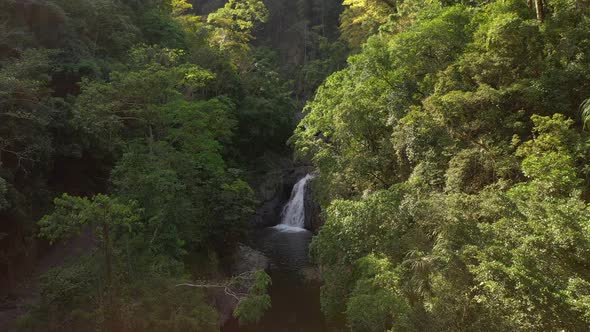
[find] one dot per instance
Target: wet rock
(273, 190)
(313, 220)
(223, 304)
(247, 259)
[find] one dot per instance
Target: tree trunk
(107, 258)
(530, 4)
(540, 10)
(151, 139)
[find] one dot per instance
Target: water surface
(295, 297)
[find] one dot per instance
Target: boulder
(244, 259)
(247, 259)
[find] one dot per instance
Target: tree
(234, 26)
(252, 308)
(127, 106)
(452, 178)
(27, 110)
(540, 10)
(149, 104)
(249, 290)
(536, 250)
(362, 18)
(357, 113)
(103, 213)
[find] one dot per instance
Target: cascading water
(293, 215)
(294, 294)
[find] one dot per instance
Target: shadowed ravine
(294, 291)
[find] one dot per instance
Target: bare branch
(233, 287)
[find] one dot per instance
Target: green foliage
(151, 177)
(374, 222)
(72, 214)
(375, 300)
(337, 279)
(64, 290)
(160, 28)
(234, 205)
(265, 114)
(454, 180)
(362, 18)
(332, 57)
(529, 258)
(106, 29)
(453, 164)
(151, 303)
(549, 158)
(137, 276)
(128, 102)
(356, 109)
(149, 104)
(26, 107)
(146, 300)
(233, 26)
(252, 308)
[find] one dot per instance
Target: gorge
(304, 165)
(295, 288)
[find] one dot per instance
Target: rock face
(247, 259)
(273, 190)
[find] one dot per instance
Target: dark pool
(294, 292)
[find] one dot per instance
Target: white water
(293, 215)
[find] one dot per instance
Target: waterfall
(293, 215)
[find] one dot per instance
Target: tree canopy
(452, 158)
(450, 138)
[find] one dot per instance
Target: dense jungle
(305, 165)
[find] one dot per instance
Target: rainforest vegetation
(450, 138)
(454, 167)
(136, 124)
